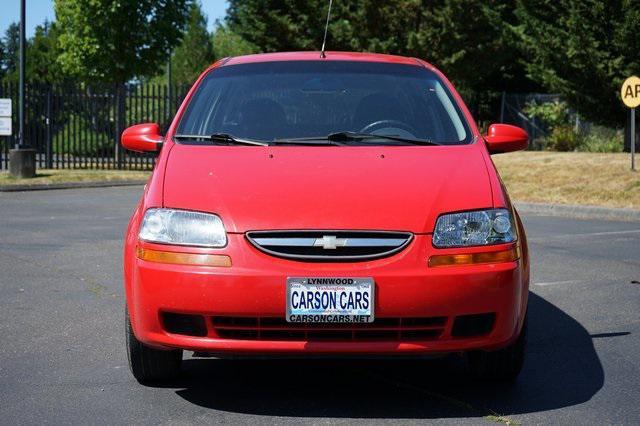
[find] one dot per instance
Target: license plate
(330, 300)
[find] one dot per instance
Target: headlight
(168, 226)
(475, 228)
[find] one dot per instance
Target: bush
(563, 138)
(603, 139)
(556, 118)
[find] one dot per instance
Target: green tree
(195, 52)
(582, 49)
(227, 43)
(43, 50)
(472, 41)
(42, 53)
(11, 48)
(2, 59)
(274, 25)
(109, 41)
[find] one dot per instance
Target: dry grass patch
(50, 176)
(570, 178)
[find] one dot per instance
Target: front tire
(147, 364)
(502, 365)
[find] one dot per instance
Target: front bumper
(255, 285)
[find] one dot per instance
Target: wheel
(148, 364)
(502, 365)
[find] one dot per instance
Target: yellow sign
(630, 92)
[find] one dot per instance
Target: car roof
(329, 56)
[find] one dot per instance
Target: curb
(579, 211)
(70, 185)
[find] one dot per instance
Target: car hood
(381, 188)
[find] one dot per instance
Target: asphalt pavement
(63, 360)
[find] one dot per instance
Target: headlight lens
(475, 228)
(180, 227)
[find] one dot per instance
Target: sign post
(630, 94)
(633, 138)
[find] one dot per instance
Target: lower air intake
(276, 329)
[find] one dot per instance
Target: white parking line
(630, 231)
(557, 283)
(565, 237)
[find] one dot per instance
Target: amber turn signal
(475, 258)
(158, 256)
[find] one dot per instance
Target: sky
(39, 10)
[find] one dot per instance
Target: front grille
(276, 328)
(329, 246)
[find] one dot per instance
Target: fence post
(119, 124)
(49, 141)
(169, 77)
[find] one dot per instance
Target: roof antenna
(326, 28)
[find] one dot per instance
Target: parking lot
(62, 357)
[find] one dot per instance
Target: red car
(336, 206)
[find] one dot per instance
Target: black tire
(147, 364)
(502, 365)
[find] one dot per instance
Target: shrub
(563, 138)
(556, 118)
(603, 139)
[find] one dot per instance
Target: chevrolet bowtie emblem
(330, 242)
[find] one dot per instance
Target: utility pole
(23, 59)
(22, 159)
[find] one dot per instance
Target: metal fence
(79, 127)
(513, 111)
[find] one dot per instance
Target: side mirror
(142, 138)
(506, 138)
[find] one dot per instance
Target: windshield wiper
(339, 137)
(354, 136)
(223, 137)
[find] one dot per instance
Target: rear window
(294, 99)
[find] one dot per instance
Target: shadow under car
(561, 369)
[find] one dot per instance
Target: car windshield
(278, 101)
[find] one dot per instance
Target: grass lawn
(52, 176)
(571, 178)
